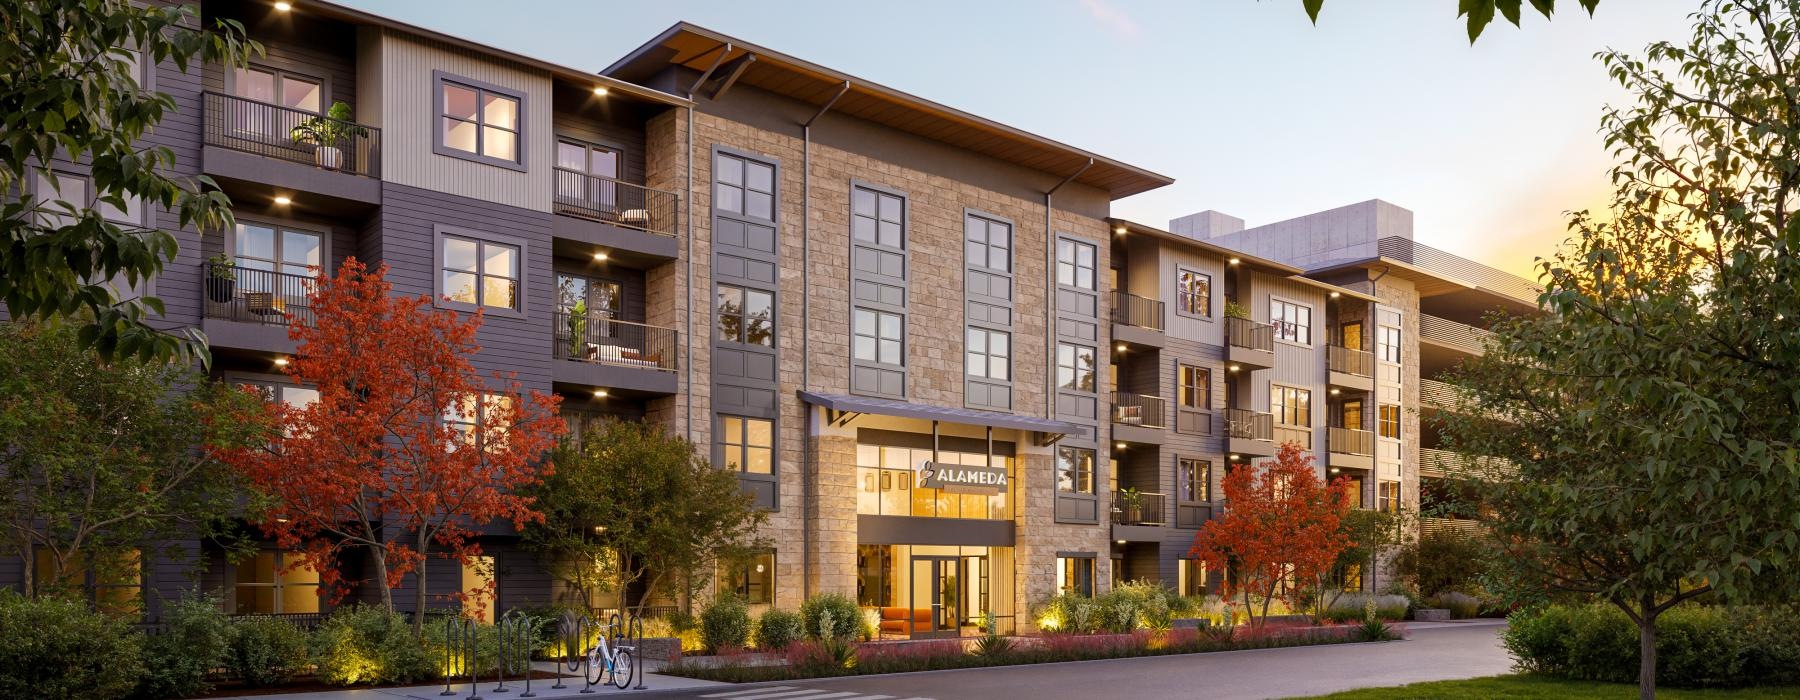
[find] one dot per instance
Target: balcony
(1350, 448)
(1436, 394)
(259, 143)
(1139, 517)
(614, 214)
(1139, 418)
(1450, 334)
(1452, 527)
(1249, 433)
(1249, 345)
(243, 307)
(597, 351)
(1458, 267)
(1441, 464)
(1137, 320)
(1350, 369)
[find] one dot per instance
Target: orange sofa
(902, 621)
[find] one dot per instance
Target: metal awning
(849, 406)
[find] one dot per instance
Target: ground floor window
(275, 583)
(935, 590)
(479, 581)
(888, 483)
(751, 578)
(1348, 578)
(1075, 575)
(114, 586)
(1190, 577)
(1387, 499)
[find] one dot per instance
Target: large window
(274, 583)
(1293, 322)
(879, 336)
(1075, 263)
(748, 443)
(1074, 470)
(54, 186)
(480, 122)
(746, 315)
(888, 483)
(278, 87)
(114, 586)
(751, 578)
(1387, 420)
(1075, 367)
(877, 217)
(1387, 343)
(479, 579)
(1291, 406)
(988, 243)
(1387, 496)
(1196, 387)
(478, 273)
(1075, 576)
(1190, 577)
(260, 246)
(476, 419)
(989, 354)
(1193, 293)
(744, 187)
(1194, 479)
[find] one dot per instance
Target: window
(744, 187)
(477, 419)
(114, 586)
(586, 177)
(1193, 293)
(271, 248)
(275, 583)
(878, 337)
(479, 273)
(1190, 577)
(888, 482)
(479, 581)
(294, 395)
(1196, 387)
(278, 87)
(752, 579)
(989, 354)
(1387, 497)
(587, 158)
(1350, 335)
(601, 299)
(987, 243)
(746, 315)
(480, 122)
(1387, 420)
(1075, 367)
(55, 186)
(749, 444)
(1075, 576)
(877, 217)
(1292, 322)
(1387, 343)
(1291, 406)
(1075, 263)
(1074, 470)
(1194, 479)
(1352, 414)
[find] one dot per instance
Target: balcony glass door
(600, 164)
(276, 87)
(936, 596)
(588, 307)
(275, 268)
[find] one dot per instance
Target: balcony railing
(1458, 335)
(1137, 409)
(1449, 526)
(615, 202)
(1246, 424)
(292, 135)
(1453, 265)
(1444, 463)
(1245, 333)
(595, 338)
(238, 293)
(1133, 310)
(1436, 394)
(1143, 509)
(1358, 362)
(1351, 441)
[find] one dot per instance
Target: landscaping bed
(1537, 687)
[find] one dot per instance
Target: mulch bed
(313, 685)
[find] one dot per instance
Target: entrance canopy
(845, 408)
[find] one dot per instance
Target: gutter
(806, 452)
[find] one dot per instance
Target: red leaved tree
(407, 450)
(1280, 531)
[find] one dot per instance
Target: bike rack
(516, 632)
(460, 648)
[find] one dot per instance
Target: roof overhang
(846, 406)
(702, 50)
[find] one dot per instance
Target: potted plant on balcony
(1131, 505)
(1236, 310)
(221, 279)
(577, 327)
(327, 132)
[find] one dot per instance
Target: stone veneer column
(832, 513)
(665, 161)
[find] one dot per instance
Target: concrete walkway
(540, 689)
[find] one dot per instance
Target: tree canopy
(1281, 533)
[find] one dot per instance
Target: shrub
(59, 648)
(725, 622)
(831, 616)
(1697, 646)
(366, 644)
(265, 651)
(778, 628)
(1353, 607)
(1444, 561)
(1461, 605)
(1375, 630)
(194, 642)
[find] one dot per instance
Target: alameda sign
(963, 478)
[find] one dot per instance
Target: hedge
(1696, 647)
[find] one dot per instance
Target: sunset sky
(1254, 111)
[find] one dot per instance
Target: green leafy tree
(1480, 13)
(1648, 421)
(106, 463)
(1370, 536)
(641, 506)
(70, 91)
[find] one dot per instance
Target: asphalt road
(1433, 652)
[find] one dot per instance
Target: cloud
(1111, 16)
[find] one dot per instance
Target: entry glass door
(936, 596)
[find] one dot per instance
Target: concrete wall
(1321, 239)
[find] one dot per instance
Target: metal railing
(613, 201)
(238, 293)
(1444, 463)
(1141, 509)
(1436, 394)
(1246, 424)
(1133, 310)
(595, 338)
(1350, 441)
(1245, 333)
(1458, 335)
(1138, 409)
(293, 135)
(1449, 526)
(1453, 265)
(1350, 361)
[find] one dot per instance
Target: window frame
(1280, 409)
(989, 222)
(275, 585)
(987, 353)
(281, 225)
(1077, 573)
(1184, 297)
(733, 573)
(1384, 501)
(1076, 470)
(878, 338)
(438, 146)
(1190, 484)
(1386, 423)
(440, 299)
(1281, 324)
(719, 315)
(282, 69)
(1075, 247)
(721, 444)
(1183, 389)
(1075, 369)
(743, 212)
(1383, 344)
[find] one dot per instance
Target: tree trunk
(381, 578)
(1647, 653)
(419, 599)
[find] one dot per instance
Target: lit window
(480, 273)
(1075, 576)
(878, 337)
(477, 419)
(114, 586)
(1387, 497)
(1290, 405)
(1196, 387)
(1387, 420)
(480, 121)
(748, 444)
(1387, 343)
(1190, 577)
(988, 243)
(479, 581)
(752, 579)
(989, 354)
(1075, 263)
(1074, 470)
(274, 583)
(1075, 367)
(746, 315)
(1193, 293)
(1292, 322)
(1194, 479)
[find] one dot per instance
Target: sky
(1253, 110)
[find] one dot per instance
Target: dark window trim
(774, 316)
(712, 180)
(280, 66)
(1311, 315)
(1056, 361)
(438, 300)
(903, 310)
(559, 135)
(1179, 291)
(438, 78)
(1078, 242)
(324, 231)
(718, 445)
(1279, 414)
(1011, 306)
(1179, 458)
(1012, 241)
(1181, 368)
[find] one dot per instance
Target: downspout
(806, 451)
(688, 294)
(1050, 293)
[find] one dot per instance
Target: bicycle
(613, 663)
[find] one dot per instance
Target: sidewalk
(540, 688)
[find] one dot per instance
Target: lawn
(1531, 687)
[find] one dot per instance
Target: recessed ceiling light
(1334, 392)
(283, 200)
(1334, 295)
(1119, 230)
(281, 362)
(283, 6)
(599, 393)
(600, 256)
(1121, 347)
(1234, 456)
(600, 91)
(1233, 368)
(1118, 445)
(1120, 541)
(1234, 261)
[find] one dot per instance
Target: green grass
(1534, 687)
